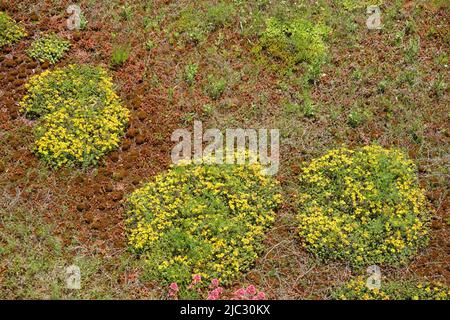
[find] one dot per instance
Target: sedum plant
(10, 31)
(208, 220)
(294, 41)
(196, 22)
(356, 289)
(362, 207)
(80, 115)
(49, 48)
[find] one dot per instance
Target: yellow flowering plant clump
(80, 115)
(357, 289)
(363, 207)
(206, 219)
(49, 48)
(10, 31)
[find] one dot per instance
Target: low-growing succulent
(215, 87)
(294, 41)
(362, 207)
(10, 31)
(205, 219)
(80, 115)
(196, 22)
(190, 72)
(119, 55)
(357, 289)
(50, 48)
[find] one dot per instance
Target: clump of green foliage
(306, 109)
(126, 12)
(219, 15)
(195, 23)
(356, 118)
(190, 72)
(363, 207)
(294, 41)
(357, 289)
(80, 115)
(149, 45)
(119, 55)
(49, 48)
(190, 27)
(204, 219)
(10, 31)
(216, 86)
(83, 21)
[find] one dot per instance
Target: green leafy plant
(119, 55)
(356, 289)
(363, 207)
(216, 86)
(291, 108)
(83, 21)
(126, 12)
(356, 118)
(188, 117)
(80, 115)
(149, 45)
(149, 23)
(196, 22)
(190, 26)
(49, 48)
(208, 109)
(219, 15)
(307, 109)
(294, 41)
(204, 219)
(10, 31)
(412, 50)
(190, 71)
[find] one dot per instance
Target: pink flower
(215, 294)
(212, 297)
(174, 287)
(251, 290)
(260, 296)
(239, 294)
(249, 293)
(197, 278)
(215, 282)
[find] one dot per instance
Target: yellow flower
(81, 117)
(363, 206)
(214, 215)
